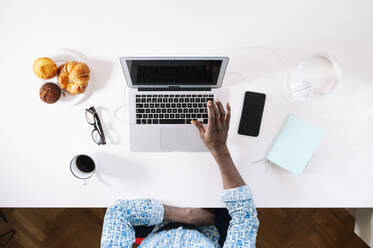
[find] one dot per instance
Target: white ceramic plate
(60, 57)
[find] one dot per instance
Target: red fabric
(139, 240)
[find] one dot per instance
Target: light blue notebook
(295, 145)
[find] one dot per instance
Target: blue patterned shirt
(120, 218)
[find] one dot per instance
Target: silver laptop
(165, 94)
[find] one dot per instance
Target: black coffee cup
(82, 166)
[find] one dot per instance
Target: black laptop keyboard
(171, 109)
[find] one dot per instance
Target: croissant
(73, 77)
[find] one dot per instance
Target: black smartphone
(252, 112)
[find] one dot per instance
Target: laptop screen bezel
(123, 62)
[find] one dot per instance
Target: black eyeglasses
(97, 133)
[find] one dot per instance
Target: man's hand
(215, 138)
(216, 134)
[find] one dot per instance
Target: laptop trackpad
(174, 139)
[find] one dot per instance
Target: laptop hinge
(173, 88)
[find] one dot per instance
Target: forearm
(193, 216)
(174, 214)
(123, 215)
(139, 212)
(229, 173)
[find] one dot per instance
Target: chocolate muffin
(50, 93)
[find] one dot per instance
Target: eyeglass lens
(96, 136)
(90, 117)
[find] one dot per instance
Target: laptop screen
(174, 72)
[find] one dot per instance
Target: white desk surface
(37, 141)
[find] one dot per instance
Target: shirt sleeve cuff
(236, 194)
(157, 211)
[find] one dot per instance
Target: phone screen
(252, 112)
